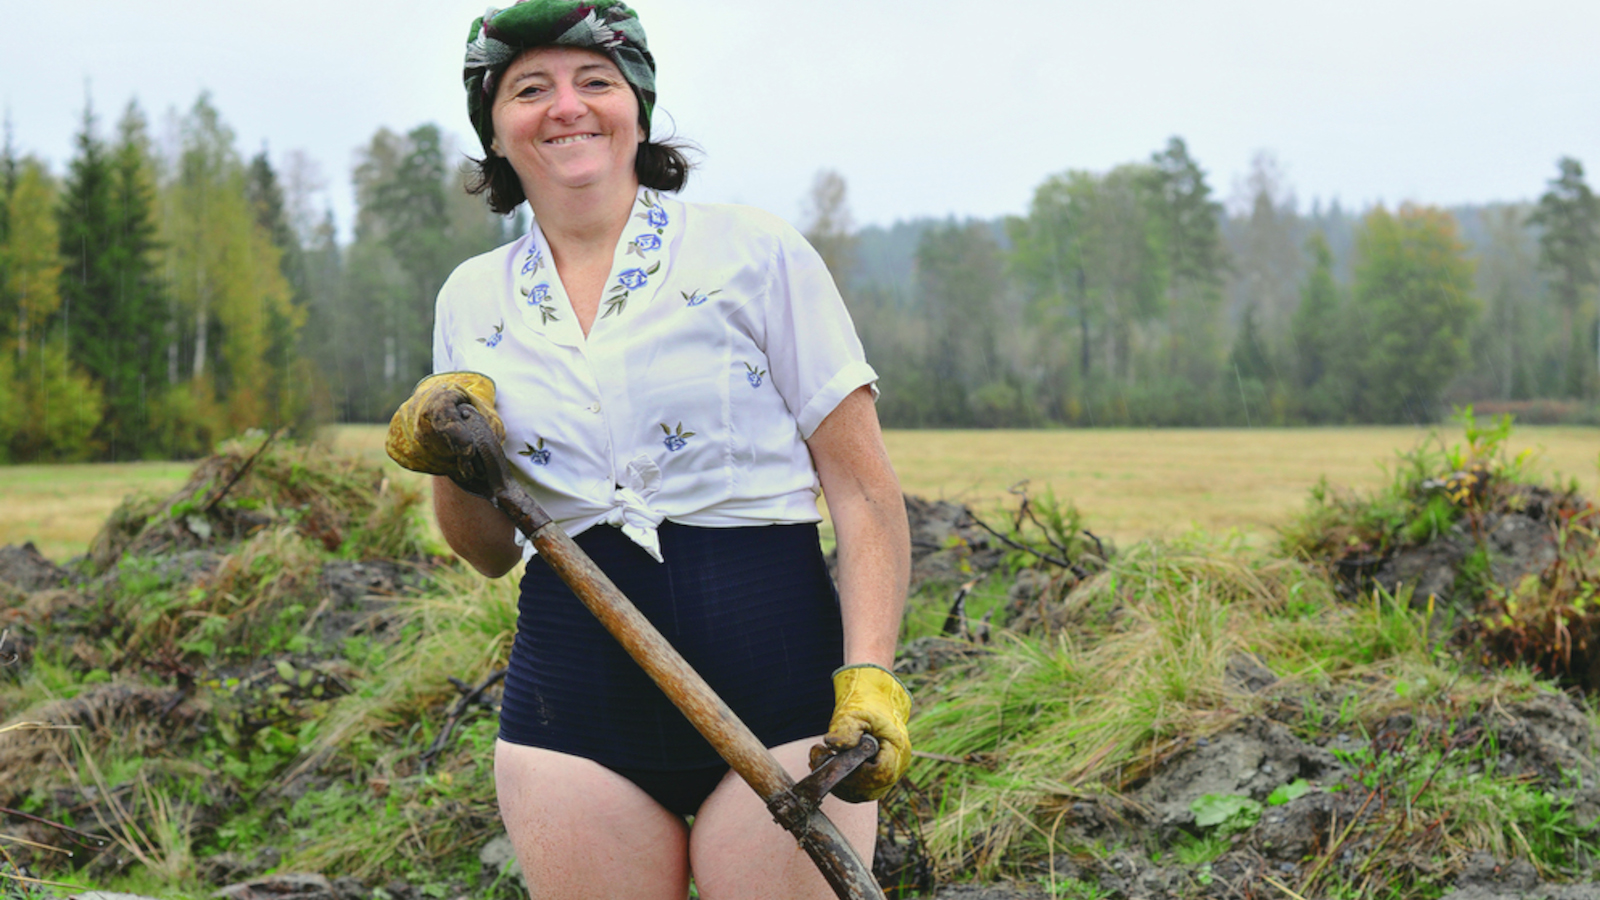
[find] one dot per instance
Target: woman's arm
(869, 524)
(475, 530)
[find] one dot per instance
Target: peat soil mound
(1509, 573)
(201, 618)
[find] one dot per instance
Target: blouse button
(594, 407)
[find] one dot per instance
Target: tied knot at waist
(630, 505)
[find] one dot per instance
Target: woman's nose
(567, 104)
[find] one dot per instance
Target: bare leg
(739, 853)
(581, 830)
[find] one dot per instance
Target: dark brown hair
(660, 166)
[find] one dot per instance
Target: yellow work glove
(414, 443)
(868, 699)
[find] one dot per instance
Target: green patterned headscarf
(607, 26)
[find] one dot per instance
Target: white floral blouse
(720, 344)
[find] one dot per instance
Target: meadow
(1130, 484)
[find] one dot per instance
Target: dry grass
(1133, 484)
(1130, 484)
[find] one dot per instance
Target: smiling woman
(673, 382)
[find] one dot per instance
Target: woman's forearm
(477, 531)
(869, 525)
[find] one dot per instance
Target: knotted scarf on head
(606, 26)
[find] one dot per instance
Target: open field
(1135, 483)
(1128, 483)
(60, 508)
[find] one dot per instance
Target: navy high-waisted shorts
(751, 609)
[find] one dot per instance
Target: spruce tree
(87, 235)
(114, 311)
(141, 317)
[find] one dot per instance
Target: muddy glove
(421, 436)
(870, 699)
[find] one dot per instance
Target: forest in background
(158, 296)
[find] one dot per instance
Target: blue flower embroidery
(536, 454)
(675, 440)
(695, 298)
(644, 242)
(539, 295)
(627, 282)
(753, 375)
(654, 215)
(493, 340)
(535, 260)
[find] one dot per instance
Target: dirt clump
(1252, 758)
(23, 570)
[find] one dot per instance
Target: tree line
(1135, 297)
(155, 299)
(158, 296)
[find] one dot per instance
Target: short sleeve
(443, 357)
(812, 348)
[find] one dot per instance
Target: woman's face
(564, 117)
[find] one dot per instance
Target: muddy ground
(60, 612)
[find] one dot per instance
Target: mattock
(796, 806)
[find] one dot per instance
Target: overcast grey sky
(927, 108)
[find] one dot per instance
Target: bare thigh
(581, 830)
(739, 853)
